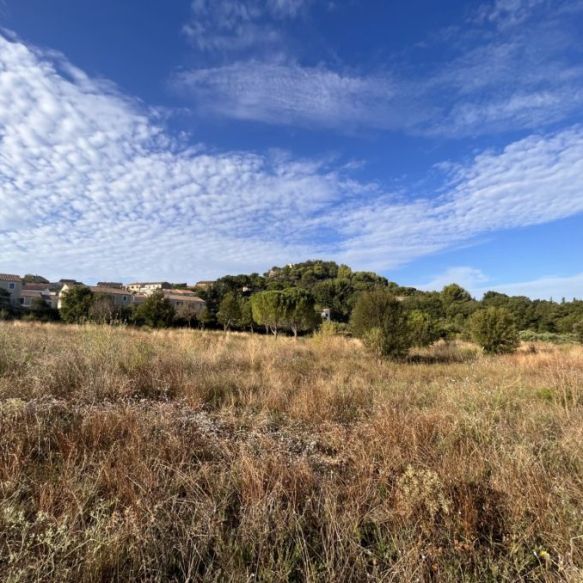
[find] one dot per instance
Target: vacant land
(181, 455)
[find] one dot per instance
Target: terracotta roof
(183, 298)
(110, 284)
(9, 277)
(183, 292)
(36, 286)
(143, 283)
(109, 290)
(33, 293)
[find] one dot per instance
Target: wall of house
(14, 288)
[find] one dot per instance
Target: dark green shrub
(494, 330)
(382, 322)
(156, 311)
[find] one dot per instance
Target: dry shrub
(190, 456)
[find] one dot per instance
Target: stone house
(180, 298)
(13, 285)
(119, 297)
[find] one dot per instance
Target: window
(11, 285)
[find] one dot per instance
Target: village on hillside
(25, 292)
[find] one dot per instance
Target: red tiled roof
(32, 293)
(109, 290)
(183, 298)
(9, 277)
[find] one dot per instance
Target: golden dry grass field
(188, 456)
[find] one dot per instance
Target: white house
(148, 288)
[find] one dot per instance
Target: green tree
(578, 330)
(299, 310)
(156, 311)
(381, 321)
(454, 293)
(41, 311)
(5, 300)
(205, 318)
(494, 330)
(76, 304)
(187, 313)
(423, 328)
(268, 309)
(246, 320)
(105, 311)
(229, 313)
(31, 278)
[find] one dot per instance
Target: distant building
(28, 296)
(183, 292)
(185, 299)
(36, 287)
(326, 314)
(205, 284)
(13, 285)
(110, 284)
(148, 288)
(119, 297)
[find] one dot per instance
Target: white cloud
(91, 184)
(544, 288)
(92, 187)
(530, 182)
(235, 25)
(281, 93)
(507, 13)
(491, 82)
(469, 278)
(478, 283)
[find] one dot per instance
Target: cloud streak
(238, 25)
(490, 82)
(279, 93)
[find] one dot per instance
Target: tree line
(389, 318)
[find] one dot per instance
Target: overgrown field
(182, 455)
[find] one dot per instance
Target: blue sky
(184, 140)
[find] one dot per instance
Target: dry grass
(178, 455)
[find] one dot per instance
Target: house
(28, 296)
(45, 291)
(110, 284)
(185, 298)
(119, 297)
(204, 284)
(36, 287)
(148, 288)
(183, 292)
(13, 285)
(326, 314)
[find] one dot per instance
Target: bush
(381, 321)
(423, 328)
(494, 330)
(578, 330)
(549, 337)
(76, 304)
(156, 311)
